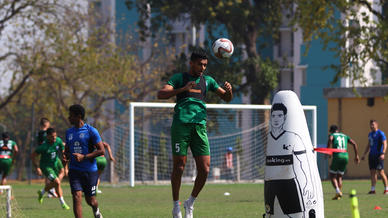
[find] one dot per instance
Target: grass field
(246, 200)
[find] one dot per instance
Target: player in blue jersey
(83, 145)
(377, 145)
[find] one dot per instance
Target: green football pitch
(245, 200)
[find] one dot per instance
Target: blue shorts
(375, 163)
(83, 181)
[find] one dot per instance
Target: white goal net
(142, 147)
(8, 205)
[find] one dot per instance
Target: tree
(357, 28)
(245, 23)
(77, 66)
(20, 21)
(73, 62)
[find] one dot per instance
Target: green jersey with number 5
(340, 141)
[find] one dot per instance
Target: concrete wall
(352, 114)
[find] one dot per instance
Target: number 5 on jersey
(177, 148)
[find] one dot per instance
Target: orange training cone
(377, 208)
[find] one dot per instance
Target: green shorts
(194, 135)
(101, 163)
(5, 166)
(51, 172)
(58, 164)
(338, 165)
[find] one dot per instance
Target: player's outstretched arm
(168, 91)
(34, 162)
(382, 155)
(366, 151)
(330, 141)
(356, 157)
(66, 153)
(15, 152)
(225, 93)
(107, 147)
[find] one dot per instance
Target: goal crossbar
(134, 105)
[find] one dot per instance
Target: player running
(101, 163)
(50, 165)
(339, 140)
(83, 145)
(189, 124)
(44, 124)
(8, 151)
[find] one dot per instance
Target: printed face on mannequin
(277, 119)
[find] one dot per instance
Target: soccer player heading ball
(189, 124)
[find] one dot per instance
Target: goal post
(5, 204)
(241, 127)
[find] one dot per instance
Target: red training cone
(377, 208)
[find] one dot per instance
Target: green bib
(6, 150)
(340, 141)
(49, 152)
(191, 110)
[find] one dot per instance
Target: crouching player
(50, 165)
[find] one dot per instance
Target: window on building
(286, 80)
(286, 44)
(304, 76)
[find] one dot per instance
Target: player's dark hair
(279, 107)
(43, 120)
(50, 131)
(372, 121)
(5, 135)
(77, 109)
(333, 128)
(198, 53)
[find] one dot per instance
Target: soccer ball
(223, 48)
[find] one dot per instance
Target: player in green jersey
(8, 151)
(44, 124)
(189, 124)
(50, 165)
(101, 163)
(339, 140)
